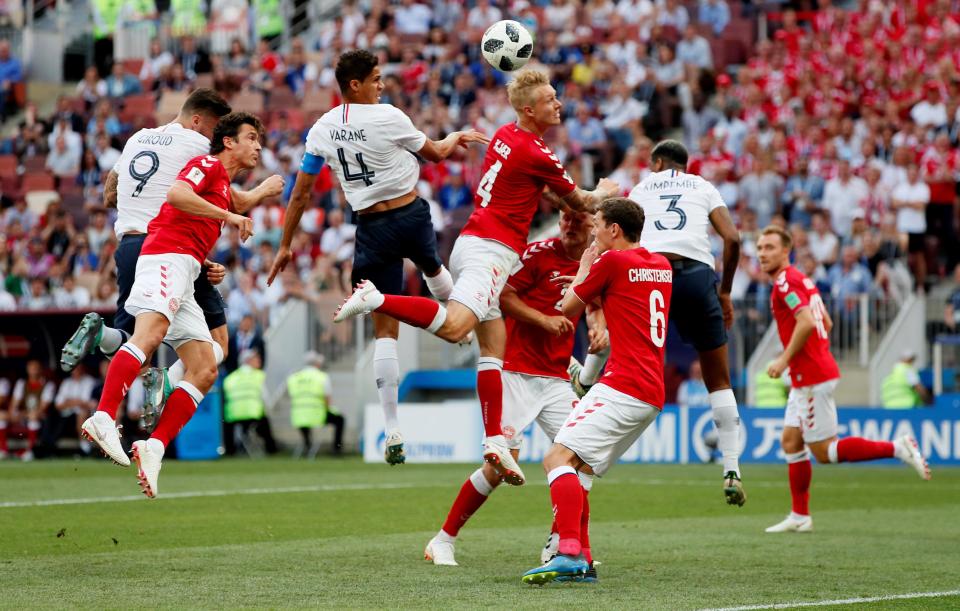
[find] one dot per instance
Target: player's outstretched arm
(182, 197)
(110, 190)
(438, 150)
(243, 201)
(515, 308)
(302, 189)
(588, 201)
(805, 326)
(723, 225)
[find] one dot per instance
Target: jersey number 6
(672, 207)
(658, 320)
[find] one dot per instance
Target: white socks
(558, 471)
(727, 419)
(111, 339)
(438, 319)
(386, 369)
(176, 371)
(592, 365)
(440, 285)
(480, 483)
(832, 451)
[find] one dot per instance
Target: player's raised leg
(473, 494)
(101, 428)
(200, 361)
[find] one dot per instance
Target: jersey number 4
(672, 207)
(143, 177)
(364, 174)
(485, 187)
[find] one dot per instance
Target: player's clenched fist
(243, 224)
(273, 186)
(556, 325)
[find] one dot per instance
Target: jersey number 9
(143, 177)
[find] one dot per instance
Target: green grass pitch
(339, 533)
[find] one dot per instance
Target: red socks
(416, 311)
(585, 526)
(473, 494)
(567, 496)
(490, 392)
(124, 369)
(178, 411)
(856, 449)
(801, 472)
(3, 437)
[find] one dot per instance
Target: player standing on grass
(517, 168)
(137, 186)
(371, 146)
(811, 416)
(680, 208)
(535, 381)
(633, 286)
(161, 299)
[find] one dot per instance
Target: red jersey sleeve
(196, 175)
(547, 167)
(791, 291)
(597, 279)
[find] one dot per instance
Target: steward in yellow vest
(244, 406)
(309, 392)
(902, 388)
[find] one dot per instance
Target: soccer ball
(507, 45)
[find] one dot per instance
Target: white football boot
(793, 523)
(498, 455)
(440, 552)
(906, 449)
(149, 455)
(393, 449)
(100, 429)
(365, 299)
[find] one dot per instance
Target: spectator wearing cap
(930, 112)
(802, 194)
(840, 197)
(715, 14)
(454, 193)
(909, 200)
(902, 389)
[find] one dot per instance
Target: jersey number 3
(672, 207)
(364, 174)
(143, 177)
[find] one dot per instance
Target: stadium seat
(317, 101)
(247, 101)
(38, 201)
(169, 106)
(281, 98)
(204, 80)
(133, 66)
(36, 163)
(37, 182)
(8, 165)
(143, 104)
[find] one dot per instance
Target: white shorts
(604, 425)
(527, 398)
(480, 269)
(813, 410)
(164, 284)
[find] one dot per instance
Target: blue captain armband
(311, 163)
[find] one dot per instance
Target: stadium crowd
(842, 125)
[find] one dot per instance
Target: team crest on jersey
(174, 305)
(509, 432)
(196, 176)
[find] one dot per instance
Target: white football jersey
(146, 170)
(677, 208)
(369, 147)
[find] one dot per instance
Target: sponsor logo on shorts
(174, 305)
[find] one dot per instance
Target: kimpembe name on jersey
(670, 183)
(641, 274)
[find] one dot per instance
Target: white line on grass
(845, 601)
(207, 493)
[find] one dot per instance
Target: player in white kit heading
(680, 209)
(372, 149)
(137, 186)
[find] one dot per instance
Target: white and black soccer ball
(507, 45)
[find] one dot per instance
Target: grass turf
(348, 535)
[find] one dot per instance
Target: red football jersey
(173, 231)
(516, 168)
(792, 291)
(634, 288)
(530, 349)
